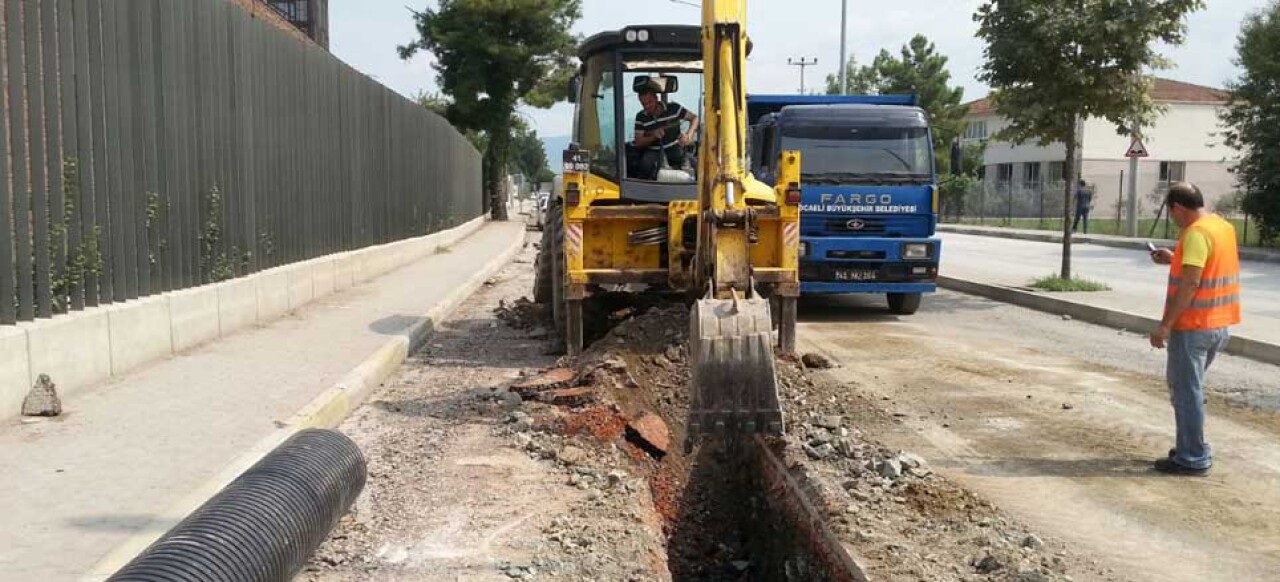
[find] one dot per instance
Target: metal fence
(152, 145)
(1038, 206)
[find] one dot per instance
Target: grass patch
(1059, 285)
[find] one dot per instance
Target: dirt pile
(904, 521)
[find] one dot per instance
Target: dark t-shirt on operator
(669, 121)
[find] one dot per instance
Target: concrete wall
(1187, 132)
(1213, 178)
(1005, 153)
(87, 347)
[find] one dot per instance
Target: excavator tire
(555, 240)
(735, 382)
(542, 271)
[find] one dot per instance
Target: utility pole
(844, 30)
(1131, 226)
(802, 62)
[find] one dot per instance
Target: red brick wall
(260, 10)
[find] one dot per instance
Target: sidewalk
(133, 454)
(1137, 285)
(1124, 242)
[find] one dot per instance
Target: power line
(803, 63)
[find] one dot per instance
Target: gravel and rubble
(902, 519)
(491, 460)
(469, 480)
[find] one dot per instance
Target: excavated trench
(732, 510)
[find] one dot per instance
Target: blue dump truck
(869, 202)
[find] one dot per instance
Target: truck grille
(856, 225)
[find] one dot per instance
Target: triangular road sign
(1137, 149)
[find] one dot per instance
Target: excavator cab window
(678, 90)
(597, 121)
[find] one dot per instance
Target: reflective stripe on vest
(1217, 299)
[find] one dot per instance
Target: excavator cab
(642, 217)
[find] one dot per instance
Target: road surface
(1057, 422)
(1137, 285)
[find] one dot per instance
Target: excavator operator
(658, 133)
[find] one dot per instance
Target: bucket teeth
(735, 384)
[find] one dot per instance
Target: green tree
(491, 57)
(922, 71)
(1053, 63)
(530, 155)
(1253, 118)
(861, 80)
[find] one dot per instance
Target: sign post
(1136, 151)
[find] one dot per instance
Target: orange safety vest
(1217, 301)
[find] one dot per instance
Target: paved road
(1137, 285)
(980, 389)
(133, 448)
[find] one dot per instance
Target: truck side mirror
(957, 158)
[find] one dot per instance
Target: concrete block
(322, 274)
(301, 285)
(141, 331)
(194, 315)
(237, 305)
(359, 266)
(74, 350)
(15, 370)
(343, 272)
(273, 294)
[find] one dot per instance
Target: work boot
(1170, 467)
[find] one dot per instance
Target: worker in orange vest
(1202, 302)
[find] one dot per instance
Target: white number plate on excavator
(856, 275)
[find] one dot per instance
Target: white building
(1185, 144)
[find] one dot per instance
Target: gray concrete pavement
(1137, 285)
(128, 450)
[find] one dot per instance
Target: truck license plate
(856, 275)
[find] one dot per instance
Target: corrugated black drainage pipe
(265, 525)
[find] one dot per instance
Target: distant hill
(555, 146)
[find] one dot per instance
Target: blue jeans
(1190, 355)
(1081, 213)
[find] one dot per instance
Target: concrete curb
(328, 410)
(1248, 254)
(112, 340)
(1242, 346)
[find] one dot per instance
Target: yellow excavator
(657, 197)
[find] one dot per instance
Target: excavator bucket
(735, 383)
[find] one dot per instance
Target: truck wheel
(904, 303)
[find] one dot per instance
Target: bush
(1057, 284)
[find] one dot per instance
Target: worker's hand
(1160, 337)
(1162, 256)
(685, 139)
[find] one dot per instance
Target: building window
(1057, 172)
(976, 130)
(1004, 173)
(1031, 174)
(1171, 172)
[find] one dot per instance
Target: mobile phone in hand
(1151, 247)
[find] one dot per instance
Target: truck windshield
(861, 155)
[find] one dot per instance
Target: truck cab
(868, 211)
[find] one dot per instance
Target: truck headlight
(804, 249)
(915, 251)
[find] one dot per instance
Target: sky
(365, 34)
